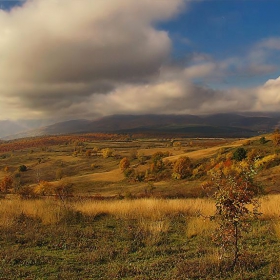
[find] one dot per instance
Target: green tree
(239, 154)
(262, 140)
(22, 168)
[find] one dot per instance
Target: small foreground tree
(236, 199)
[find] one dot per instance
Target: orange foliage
(6, 184)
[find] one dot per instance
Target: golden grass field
(49, 210)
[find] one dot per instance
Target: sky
(73, 59)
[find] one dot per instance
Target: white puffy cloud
(58, 53)
(268, 97)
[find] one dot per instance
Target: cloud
(57, 53)
(272, 43)
(172, 93)
(85, 58)
(268, 97)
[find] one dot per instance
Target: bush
(124, 164)
(182, 168)
(239, 154)
(262, 140)
(22, 168)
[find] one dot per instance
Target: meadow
(129, 239)
(138, 222)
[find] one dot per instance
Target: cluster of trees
(62, 189)
(238, 159)
(158, 168)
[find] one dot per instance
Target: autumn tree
(6, 184)
(236, 200)
(182, 168)
(44, 188)
(107, 152)
(124, 164)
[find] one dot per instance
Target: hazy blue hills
(216, 125)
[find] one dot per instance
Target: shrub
(262, 140)
(239, 154)
(6, 184)
(22, 168)
(107, 152)
(182, 168)
(124, 164)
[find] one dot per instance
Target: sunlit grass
(50, 211)
(151, 208)
(199, 226)
(270, 207)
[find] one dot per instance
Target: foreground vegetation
(142, 239)
(97, 208)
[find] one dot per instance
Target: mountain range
(217, 125)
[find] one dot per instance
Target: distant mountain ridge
(216, 125)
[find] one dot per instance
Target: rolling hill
(218, 125)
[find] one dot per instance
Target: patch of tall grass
(50, 211)
(148, 208)
(270, 207)
(199, 226)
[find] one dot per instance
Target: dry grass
(50, 211)
(203, 153)
(152, 231)
(276, 228)
(199, 226)
(270, 207)
(148, 208)
(111, 176)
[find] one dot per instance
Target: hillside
(91, 162)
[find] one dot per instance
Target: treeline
(44, 141)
